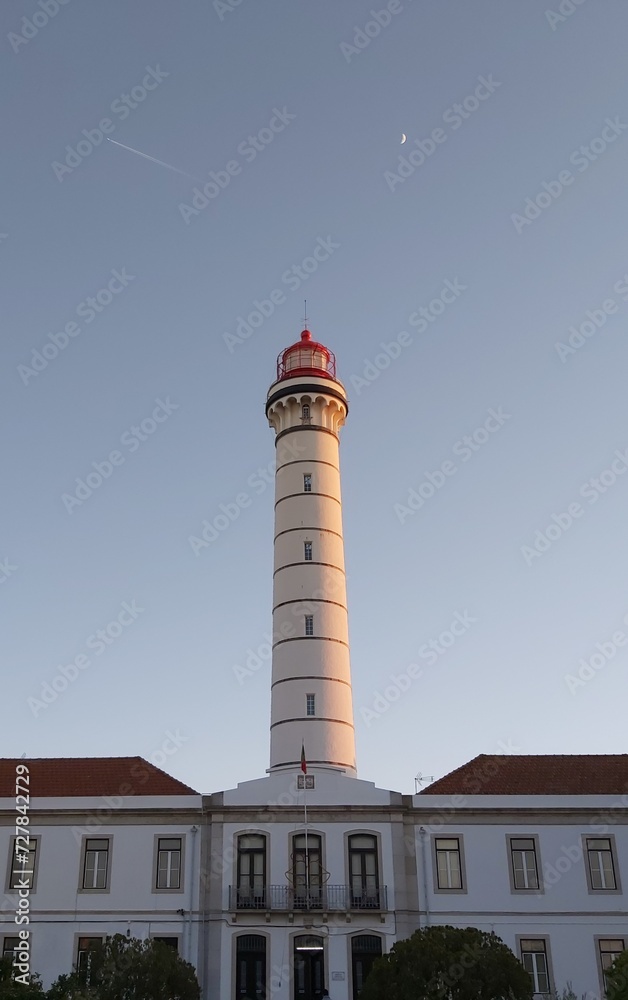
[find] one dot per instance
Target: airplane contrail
(152, 158)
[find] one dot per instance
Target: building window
(95, 863)
(251, 875)
(600, 864)
(305, 413)
(307, 551)
(83, 956)
(448, 863)
(309, 624)
(534, 961)
(363, 871)
(307, 870)
(250, 966)
(305, 781)
(9, 946)
(307, 482)
(365, 949)
(22, 873)
(523, 860)
(609, 950)
(168, 863)
(169, 942)
(310, 704)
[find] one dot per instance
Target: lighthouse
(311, 702)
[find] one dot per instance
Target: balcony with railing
(324, 898)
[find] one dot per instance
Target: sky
(473, 284)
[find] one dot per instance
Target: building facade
(113, 849)
(263, 905)
(295, 882)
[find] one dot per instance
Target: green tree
(617, 978)
(70, 988)
(568, 993)
(129, 969)
(12, 990)
(448, 963)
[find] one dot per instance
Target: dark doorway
(365, 949)
(251, 967)
(309, 968)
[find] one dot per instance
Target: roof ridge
(537, 774)
(91, 777)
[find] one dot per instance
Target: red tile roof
(555, 774)
(90, 776)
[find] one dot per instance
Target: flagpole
(307, 854)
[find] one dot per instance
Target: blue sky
(293, 113)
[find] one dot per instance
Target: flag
(303, 760)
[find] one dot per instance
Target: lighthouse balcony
(325, 898)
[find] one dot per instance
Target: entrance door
(251, 967)
(309, 968)
(365, 949)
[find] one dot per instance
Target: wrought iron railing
(324, 897)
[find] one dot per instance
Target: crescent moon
(403, 138)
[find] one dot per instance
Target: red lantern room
(306, 357)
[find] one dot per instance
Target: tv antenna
(421, 779)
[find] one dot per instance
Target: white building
(295, 882)
(535, 849)
(113, 848)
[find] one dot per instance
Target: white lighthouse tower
(311, 703)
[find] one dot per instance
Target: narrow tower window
(307, 551)
(307, 482)
(309, 624)
(305, 413)
(310, 704)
